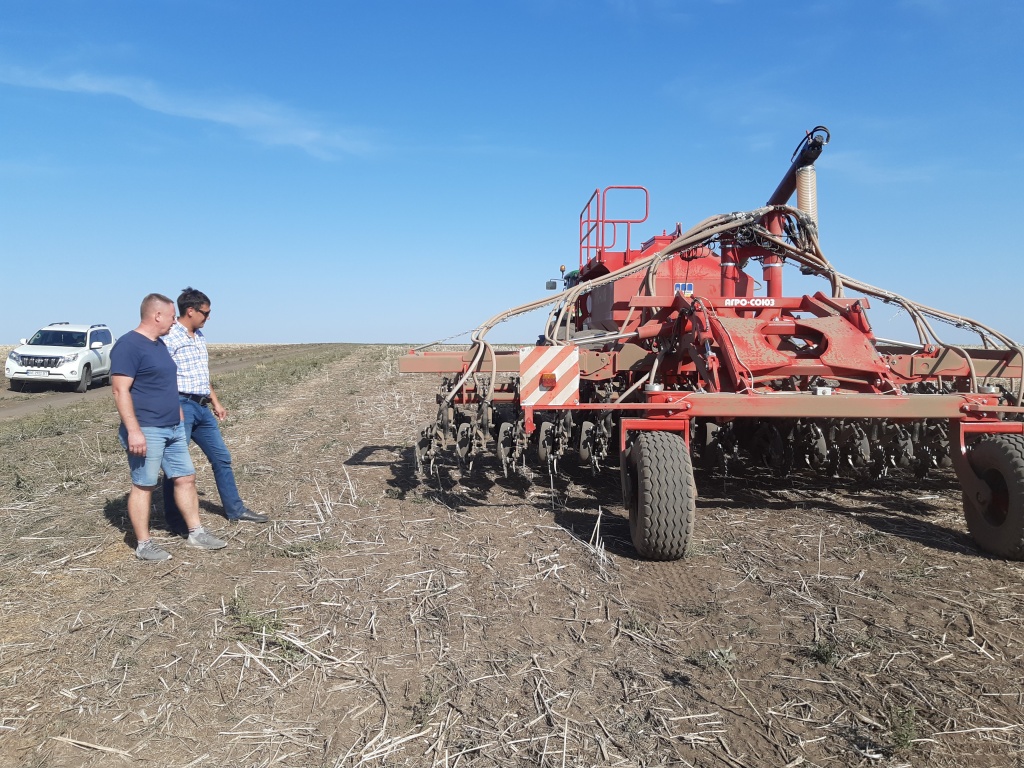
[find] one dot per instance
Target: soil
(474, 620)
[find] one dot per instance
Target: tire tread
(1003, 453)
(665, 497)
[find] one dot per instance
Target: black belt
(203, 400)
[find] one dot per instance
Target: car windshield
(51, 338)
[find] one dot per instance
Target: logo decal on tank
(684, 288)
(754, 302)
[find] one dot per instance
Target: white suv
(61, 353)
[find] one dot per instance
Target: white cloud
(260, 120)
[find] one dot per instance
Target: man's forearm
(218, 410)
(126, 410)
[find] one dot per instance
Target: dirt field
(481, 621)
(223, 358)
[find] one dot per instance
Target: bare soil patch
(478, 621)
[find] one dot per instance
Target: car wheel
(16, 386)
(86, 380)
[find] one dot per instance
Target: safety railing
(598, 232)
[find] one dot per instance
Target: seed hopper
(685, 348)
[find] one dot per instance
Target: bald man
(144, 380)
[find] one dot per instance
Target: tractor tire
(998, 526)
(85, 381)
(660, 494)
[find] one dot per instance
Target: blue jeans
(201, 426)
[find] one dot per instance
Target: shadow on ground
(580, 501)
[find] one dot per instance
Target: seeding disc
(505, 446)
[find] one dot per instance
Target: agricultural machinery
(660, 354)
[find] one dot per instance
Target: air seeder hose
(805, 250)
(919, 313)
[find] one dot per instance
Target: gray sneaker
(150, 551)
(204, 540)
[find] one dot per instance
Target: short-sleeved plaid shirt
(192, 359)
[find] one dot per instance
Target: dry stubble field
(482, 621)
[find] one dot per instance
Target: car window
(47, 338)
(103, 337)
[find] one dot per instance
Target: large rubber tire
(86, 380)
(998, 526)
(660, 494)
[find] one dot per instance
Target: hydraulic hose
(807, 253)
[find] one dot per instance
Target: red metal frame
(594, 223)
(722, 352)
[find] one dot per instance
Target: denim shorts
(166, 448)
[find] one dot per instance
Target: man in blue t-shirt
(145, 383)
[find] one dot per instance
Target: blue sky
(399, 171)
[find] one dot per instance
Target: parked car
(61, 353)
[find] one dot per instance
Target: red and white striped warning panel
(549, 376)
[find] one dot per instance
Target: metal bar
(455, 362)
(922, 366)
(996, 427)
(791, 405)
(976, 408)
(652, 425)
(585, 237)
(603, 215)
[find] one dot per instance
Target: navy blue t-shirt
(155, 386)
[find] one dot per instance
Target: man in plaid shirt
(187, 346)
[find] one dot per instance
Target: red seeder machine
(657, 352)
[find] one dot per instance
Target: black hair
(190, 297)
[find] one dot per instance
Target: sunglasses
(205, 314)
